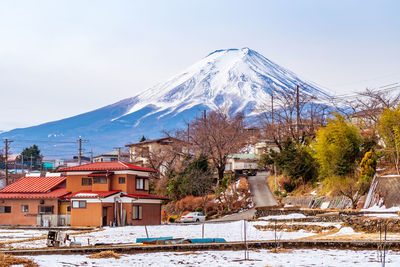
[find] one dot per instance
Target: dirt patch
(9, 260)
(105, 254)
(280, 250)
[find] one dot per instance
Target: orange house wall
(115, 185)
(151, 214)
(91, 216)
(74, 184)
(16, 217)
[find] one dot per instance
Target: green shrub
(199, 209)
(172, 218)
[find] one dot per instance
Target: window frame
(45, 212)
(23, 208)
(123, 179)
(137, 212)
(144, 185)
(88, 183)
(5, 209)
(96, 180)
(79, 204)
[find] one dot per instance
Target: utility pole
(91, 156)
(80, 149)
(6, 141)
(119, 152)
(31, 163)
(297, 111)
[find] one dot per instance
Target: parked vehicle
(193, 217)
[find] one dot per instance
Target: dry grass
(105, 254)
(9, 260)
(280, 250)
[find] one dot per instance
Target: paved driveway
(262, 196)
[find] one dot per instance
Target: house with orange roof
(34, 201)
(93, 194)
(111, 193)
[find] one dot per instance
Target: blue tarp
(207, 240)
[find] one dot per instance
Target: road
(261, 194)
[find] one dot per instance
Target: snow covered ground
(231, 231)
(304, 257)
(284, 217)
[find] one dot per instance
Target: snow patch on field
(382, 209)
(231, 231)
(284, 217)
(345, 231)
(303, 257)
(382, 215)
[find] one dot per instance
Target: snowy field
(231, 231)
(310, 257)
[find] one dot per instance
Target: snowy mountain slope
(238, 78)
(241, 79)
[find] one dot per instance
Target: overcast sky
(63, 58)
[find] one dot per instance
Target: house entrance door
(104, 216)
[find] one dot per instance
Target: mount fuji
(240, 79)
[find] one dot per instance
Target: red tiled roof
(104, 166)
(33, 185)
(92, 194)
(144, 196)
(57, 193)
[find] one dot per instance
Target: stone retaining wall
(372, 224)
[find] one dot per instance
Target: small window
(100, 180)
(24, 208)
(81, 204)
(142, 184)
(121, 180)
(46, 209)
(68, 208)
(5, 209)
(136, 212)
(86, 181)
(113, 159)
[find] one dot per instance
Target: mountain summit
(241, 79)
(238, 78)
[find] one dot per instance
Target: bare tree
(163, 159)
(291, 115)
(366, 106)
(217, 135)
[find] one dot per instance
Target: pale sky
(62, 58)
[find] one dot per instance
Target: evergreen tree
(32, 153)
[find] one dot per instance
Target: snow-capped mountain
(241, 79)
